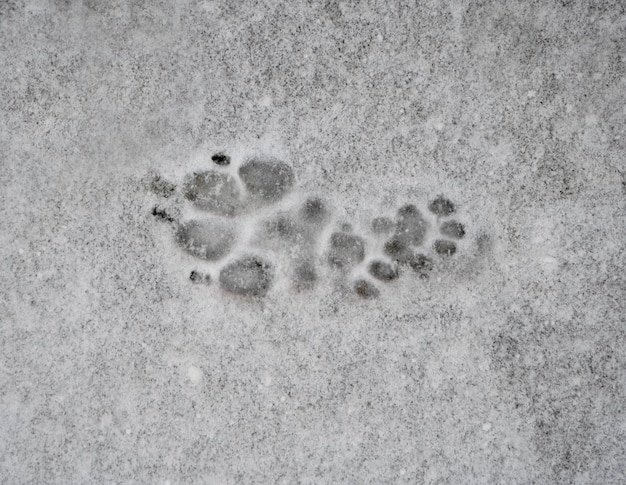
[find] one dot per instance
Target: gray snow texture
(409, 257)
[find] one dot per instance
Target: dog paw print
(226, 198)
(252, 223)
(405, 245)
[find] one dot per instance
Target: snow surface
(506, 365)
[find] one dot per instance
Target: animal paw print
(217, 237)
(252, 219)
(401, 244)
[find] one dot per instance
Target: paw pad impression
(214, 192)
(267, 180)
(249, 276)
